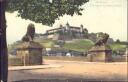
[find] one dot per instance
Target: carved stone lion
(102, 40)
(30, 33)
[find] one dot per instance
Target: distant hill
(118, 46)
(79, 45)
(69, 33)
(71, 38)
(47, 43)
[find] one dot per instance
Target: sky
(108, 16)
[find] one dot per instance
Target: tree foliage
(43, 11)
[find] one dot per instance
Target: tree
(3, 45)
(117, 41)
(39, 11)
(43, 11)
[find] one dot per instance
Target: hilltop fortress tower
(68, 32)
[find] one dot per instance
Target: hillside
(79, 45)
(47, 43)
(118, 46)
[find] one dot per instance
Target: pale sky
(109, 16)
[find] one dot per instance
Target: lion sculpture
(102, 40)
(30, 33)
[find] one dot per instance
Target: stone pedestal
(30, 53)
(100, 54)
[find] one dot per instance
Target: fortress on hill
(66, 32)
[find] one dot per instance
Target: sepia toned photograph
(63, 41)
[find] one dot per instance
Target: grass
(79, 45)
(48, 43)
(117, 46)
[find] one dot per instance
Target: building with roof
(67, 32)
